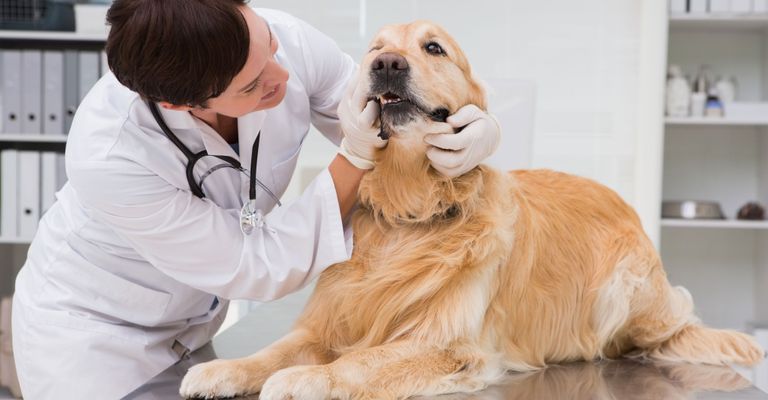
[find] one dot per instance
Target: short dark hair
(180, 51)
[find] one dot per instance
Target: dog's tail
(698, 344)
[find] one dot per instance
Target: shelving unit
(717, 121)
(719, 21)
(724, 263)
(13, 249)
(714, 224)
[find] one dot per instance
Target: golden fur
(455, 281)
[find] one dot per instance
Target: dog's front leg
(229, 378)
(393, 371)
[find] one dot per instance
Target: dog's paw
(213, 379)
(304, 382)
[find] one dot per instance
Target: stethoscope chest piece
(250, 217)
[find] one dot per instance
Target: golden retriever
(455, 281)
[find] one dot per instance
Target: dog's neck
(404, 189)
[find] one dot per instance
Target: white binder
(48, 180)
(104, 65)
(89, 72)
(71, 87)
(53, 92)
(11, 82)
(31, 91)
(9, 193)
(61, 172)
(29, 193)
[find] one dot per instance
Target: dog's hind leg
(665, 328)
(392, 371)
(229, 378)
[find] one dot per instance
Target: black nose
(389, 64)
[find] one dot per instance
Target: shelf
(717, 224)
(716, 121)
(14, 240)
(721, 21)
(32, 138)
(63, 36)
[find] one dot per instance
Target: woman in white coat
(132, 266)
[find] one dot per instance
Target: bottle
(678, 93)
(726, 90)
(713, 107)
(701, 85)
(702, 82)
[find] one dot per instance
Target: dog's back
(585, 282)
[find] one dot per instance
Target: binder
(61, 171)
(71, 87)
(719, 6)
(31, 91)
(89, 72)
(11, 91)
(28, 207)
(48, 180)
(104, 64)
(8, 193)
(53, 92)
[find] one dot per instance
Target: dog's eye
(434, 48)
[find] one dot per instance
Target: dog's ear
(477, 93)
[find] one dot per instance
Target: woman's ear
(173, 107)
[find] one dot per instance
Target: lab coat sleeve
(328, 71)
(200, 244)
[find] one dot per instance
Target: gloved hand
(453, 154)
(357, 116)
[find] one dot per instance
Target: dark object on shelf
(751, 211)
(46, 15)
(691, 210)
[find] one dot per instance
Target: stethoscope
(250, 216)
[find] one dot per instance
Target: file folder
(61, 171)
(71, 87)
(104, 65)
(53, 92)
(29, 193)
(11, 91)
(48, 180)
(8, 193)
(89, 72)
(31, 91)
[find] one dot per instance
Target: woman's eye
(434, 48)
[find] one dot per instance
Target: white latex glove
(357, 116)
(453, 154)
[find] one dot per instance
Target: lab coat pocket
(283, 171)
(100, 292)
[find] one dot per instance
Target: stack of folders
(39, 94)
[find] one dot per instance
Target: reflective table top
(608, 380)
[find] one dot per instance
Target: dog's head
(419, 75)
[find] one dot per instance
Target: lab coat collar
(248, 127)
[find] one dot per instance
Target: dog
(453, 282)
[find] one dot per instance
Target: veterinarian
(131, 268)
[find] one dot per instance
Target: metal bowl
(691, 209)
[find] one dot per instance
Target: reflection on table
(606, 380)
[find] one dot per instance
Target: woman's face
(262, 81)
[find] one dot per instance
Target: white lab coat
(128, 261)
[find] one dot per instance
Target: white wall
(582, 57)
